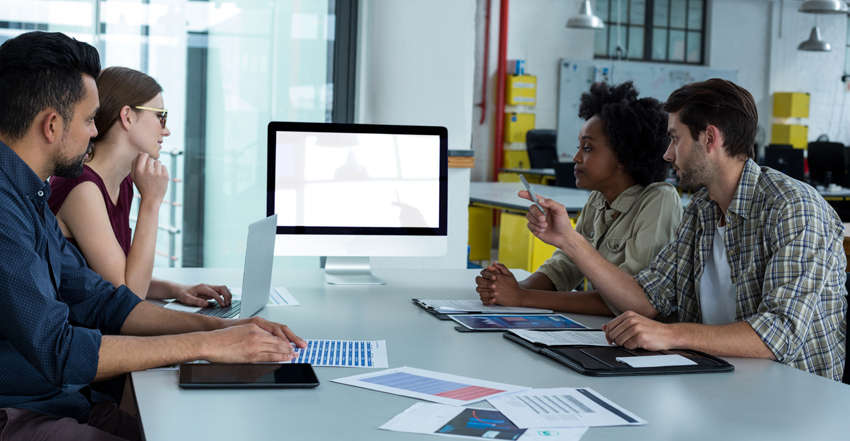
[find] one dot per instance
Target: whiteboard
(651, 79)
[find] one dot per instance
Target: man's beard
(689, 180)
(73, 167)
(694, 175)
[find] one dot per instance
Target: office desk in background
(545, 176)
(518, 248)
(760, 400)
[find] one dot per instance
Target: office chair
(541, 145)
(564, 176)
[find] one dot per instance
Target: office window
(670, 31)
(227, 68)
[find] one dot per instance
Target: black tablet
(255, 376)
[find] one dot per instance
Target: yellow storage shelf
(516, 159)
(791, 104)
(514, 177)
(480, 233)
(518, 248)
(795, 134)
(522, 90)
(517, 125)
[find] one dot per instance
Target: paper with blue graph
(429, 385)
(344, 353)
(465, 422)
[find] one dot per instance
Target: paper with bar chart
(344, 353)
(465, 422)
(563, 407)
(429, 385)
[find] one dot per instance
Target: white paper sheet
(344, 353)
(563, 407)
(656, 361)
(429, 385)
(461, 422)
(282, 297)
(475, 305)
(561, 338)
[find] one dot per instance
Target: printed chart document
(563, 338)
(445, 420)
(344, 353)
(429, 385)
(563, 407)
(475, 305)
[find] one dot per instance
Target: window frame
(649, 27)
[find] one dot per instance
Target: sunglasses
(162, 114)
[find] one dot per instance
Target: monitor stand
(350, 271)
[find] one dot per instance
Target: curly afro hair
(636, 128)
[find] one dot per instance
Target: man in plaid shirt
(757, 267)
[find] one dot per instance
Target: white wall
(742, 34)
(818, 73)
(739, 38)
(415, 66)
(537, 33)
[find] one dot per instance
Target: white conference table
(761, 399)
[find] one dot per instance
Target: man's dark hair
(721, 103)
(636, 128)
(40, 70)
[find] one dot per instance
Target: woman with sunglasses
(93, 210)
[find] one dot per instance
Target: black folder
(601, 361)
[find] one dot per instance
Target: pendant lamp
(815, 43)
(585, 18)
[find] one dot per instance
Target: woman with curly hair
(631, 212)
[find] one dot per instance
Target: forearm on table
(618, 288)
(539, 281)
(733, 340)
(578, 302)
(161, 289)
(139, 264)
(120, 354)
(147, 319)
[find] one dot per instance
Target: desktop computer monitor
(351, 191)
(827, 163)
(786, 159)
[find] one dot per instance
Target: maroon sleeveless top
(119, 213)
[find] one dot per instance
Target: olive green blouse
(628, 233)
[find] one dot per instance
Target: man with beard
(757, 265)
(62, 326)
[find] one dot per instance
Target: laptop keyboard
(228, 312)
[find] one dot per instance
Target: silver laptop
(256, 276)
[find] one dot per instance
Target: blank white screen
(357, 180)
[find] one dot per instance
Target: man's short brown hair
(720, 103)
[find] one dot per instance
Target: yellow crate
(518, 248)
(791, 104)
(480, 233)
(522, 90)
(514, 177)
(517, 125)
(795, 134)
(516, 159)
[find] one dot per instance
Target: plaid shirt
(784, 246)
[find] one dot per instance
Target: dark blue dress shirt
(53, 308)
